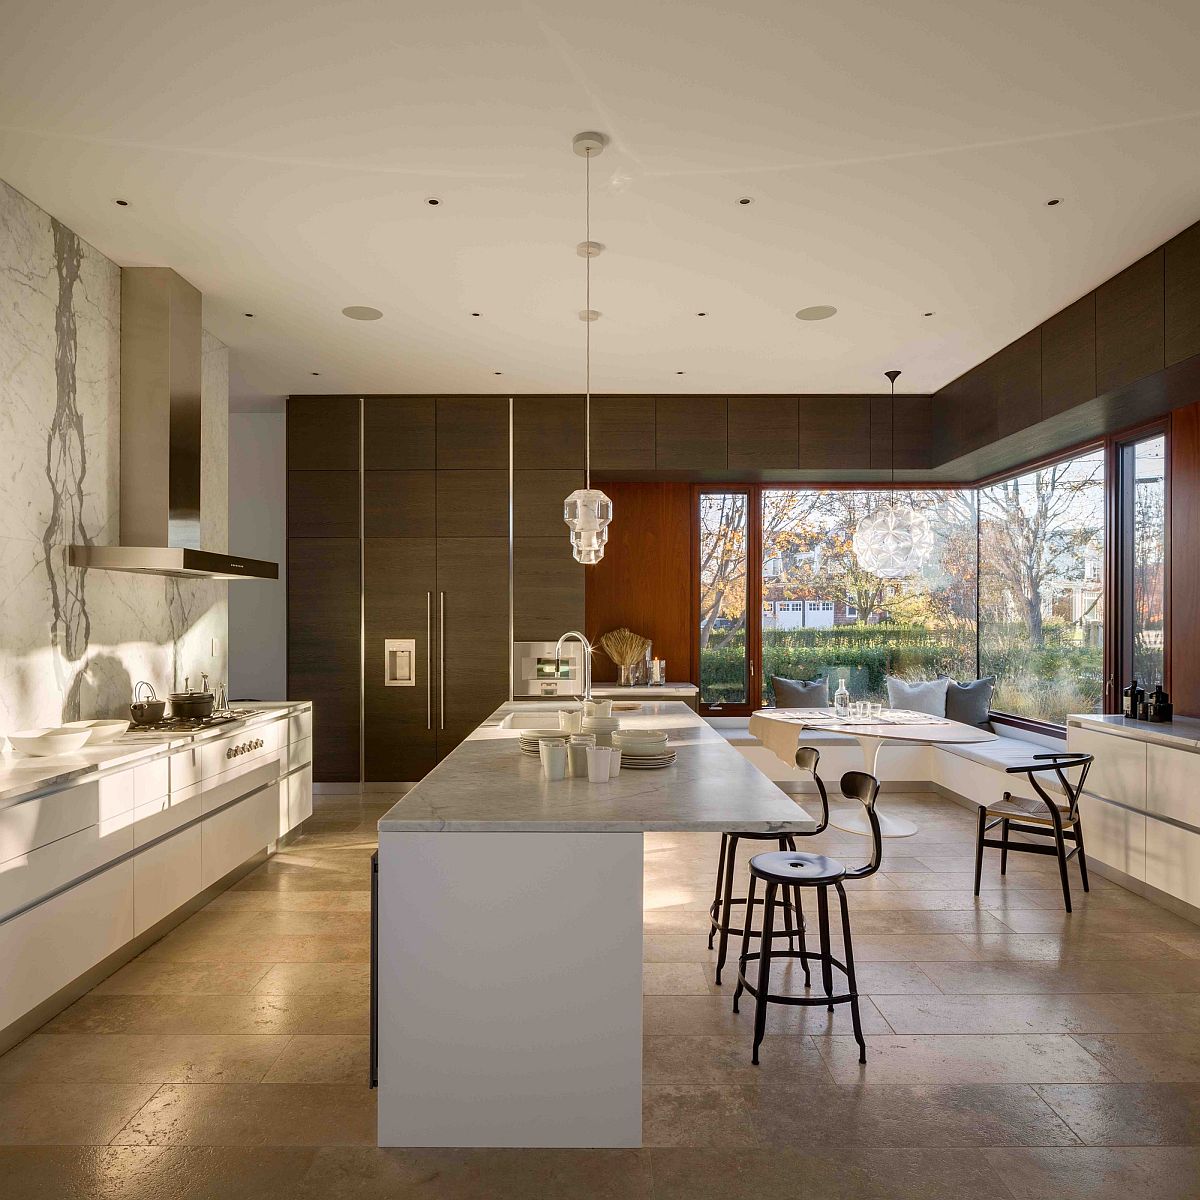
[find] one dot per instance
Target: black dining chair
(793, 872)
(720, 912)
(1045, 817)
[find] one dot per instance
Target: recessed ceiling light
(929, 314)
(589, 314)
(432, 201)
(1054, 201)
(476, 314)
(745, 199)
(679, 372)
(121, 203)
(360, 312)
(316, 372)
(816, 312)
(702, 314)
(247, 314)
(497, 372)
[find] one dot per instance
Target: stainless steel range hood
(161, 322)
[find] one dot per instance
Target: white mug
(553, 754)
(599, 759)
(577, 748)
(569, 722)
(597, 708)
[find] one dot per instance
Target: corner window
(1142, 560)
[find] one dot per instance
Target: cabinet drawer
(232, 836)
(151, 780)
(32, 823)
(51, 945)
(300, 725)
(241, 781)
(1114, 836)
(1119, 770)
(160, 816)
(30, 876)
(246, 746)
(300, 797)
(164, 877)
(299, 753)
(1172, 860)
(1171, 784)
(186, 767)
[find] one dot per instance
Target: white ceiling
(279, 155)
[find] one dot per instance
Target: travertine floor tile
(146, 977)
(323, 1058)
(1129, 1114)
(84, 1114)
(1098, 1174)
(676, 979)
(1146, 1058)
(316, 979)
(696, 1058)
(694, 1114)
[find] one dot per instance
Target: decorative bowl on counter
(41, 743)
(99, 731)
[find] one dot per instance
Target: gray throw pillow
(800, 693)
(924, 696)
(970, 702)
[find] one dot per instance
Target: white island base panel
(510, 989)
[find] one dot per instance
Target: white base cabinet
(166, 876)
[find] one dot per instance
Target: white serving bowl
(99, 731)
(41, 743)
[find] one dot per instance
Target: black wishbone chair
(724, 901)
(793, 872)
(1045, 817)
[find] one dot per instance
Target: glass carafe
(841, 700)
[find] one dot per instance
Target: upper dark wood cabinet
(472, 504)
(472, 432)
(399, 504)
(691, 433)
(1182, 268)
(883, 445)
(1016, 383)
(538, 501)
(399, 433)
(322, 504)
(1130, 324)
(623, 433)
(964, 414)
(1069, 357)
(322, 433)
(548, 589)
(914, 433)
(834, 433)
(548, 432)
(762, 433)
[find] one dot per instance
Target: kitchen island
(509, 932)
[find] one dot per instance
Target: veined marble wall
(72, 642)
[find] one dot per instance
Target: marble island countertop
(1183, 733)
(23, 776)
(489, 784)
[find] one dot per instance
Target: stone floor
(1014, 1051)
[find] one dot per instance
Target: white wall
(258, 529)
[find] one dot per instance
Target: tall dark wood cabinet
(323, 577)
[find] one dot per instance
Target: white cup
(577, 748)
(614, 764)
(553, 754)
(597, 708)
(599, 759)
(569, 722)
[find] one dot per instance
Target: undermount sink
(546, 717)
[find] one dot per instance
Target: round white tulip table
(872, 738)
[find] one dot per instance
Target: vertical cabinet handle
(428, 660)
(442, 660)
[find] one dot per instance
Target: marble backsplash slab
(73, 642)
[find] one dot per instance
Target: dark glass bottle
(1129, 700)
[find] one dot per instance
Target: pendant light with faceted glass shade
(894, 542)
(587, 510)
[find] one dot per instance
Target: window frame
(1116, 562)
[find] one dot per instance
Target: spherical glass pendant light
(587, 510)
(895, 541)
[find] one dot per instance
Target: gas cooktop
(177, 725)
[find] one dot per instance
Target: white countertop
(22, 776)
(1183, 733)
(489, 784)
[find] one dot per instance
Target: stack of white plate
(602, 727)
(643, 749)
(531, 737)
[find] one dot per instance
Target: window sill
(1047, 728)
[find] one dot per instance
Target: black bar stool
(724, 901)
(792, 872)
(1044, 817)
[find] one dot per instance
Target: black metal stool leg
(714, 909)
(858, 1034)
(823, 922)
(764, 969)
(978, 851)
(797, 891)
(1004, 846)
(787, 905)
(745, 945)
(726, 905)
(1082, 856)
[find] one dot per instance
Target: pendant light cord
(587, 321)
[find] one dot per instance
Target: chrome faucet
(587, 658)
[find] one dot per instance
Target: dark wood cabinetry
(763, 433)
(400, 433)
(548, 432)
(322, 504)
(472, 433)
(1130, 324)
(623, 433)
(1069, 357)
(835, 433)
(400, 504)
(1182, 295)
(538, 501)
(548, 588)
(322, 433)
(1016, 384)
(472, 504)
(691, 433)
